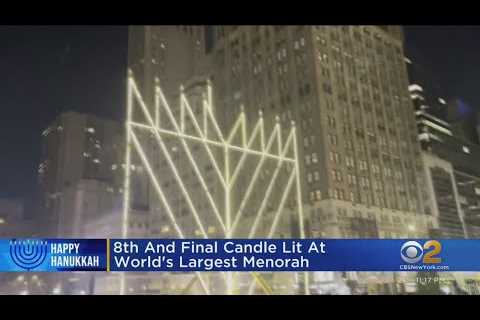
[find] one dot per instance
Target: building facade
(80, 171)
(446, 131)
(346, 89)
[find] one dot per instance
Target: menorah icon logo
(235, 204)
(28, 254)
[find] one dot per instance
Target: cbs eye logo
(413, 252)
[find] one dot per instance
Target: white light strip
(195, 167)
(281, 206)
(263, 205)
(240, 163)
(208, 105)
(244, 129)
(207, 148)
(215, 143)
(175, 171)
(276, 219)
(254, 179)
(184, 101)
(156, 184)
(126, 185)
(238, 124)
(157, 106)
(164, 200)
(299, 200)
(279, 139)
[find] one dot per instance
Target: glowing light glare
(210, 138)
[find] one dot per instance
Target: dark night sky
(47, 70)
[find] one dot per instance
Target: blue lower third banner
(53, 255)
(268, 255)
(276, 255)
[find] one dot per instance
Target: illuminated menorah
(211, 137)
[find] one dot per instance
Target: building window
(351, 179)
(307, 160)
(363, 165)
(334, 157)
(349, 161)
(337, 175)
(331, 121)
(305, 142)
(352, 196)
(333, 139)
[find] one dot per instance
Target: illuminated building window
(309, 177)
(334, 157)
(337, 175)
(363, 165)
(307, 160)
(349, 162)
(335, 194)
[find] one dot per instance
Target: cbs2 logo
(413, 252)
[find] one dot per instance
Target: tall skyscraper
(174, 54)
(346, 87)
(446, 131)
(77, 174)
